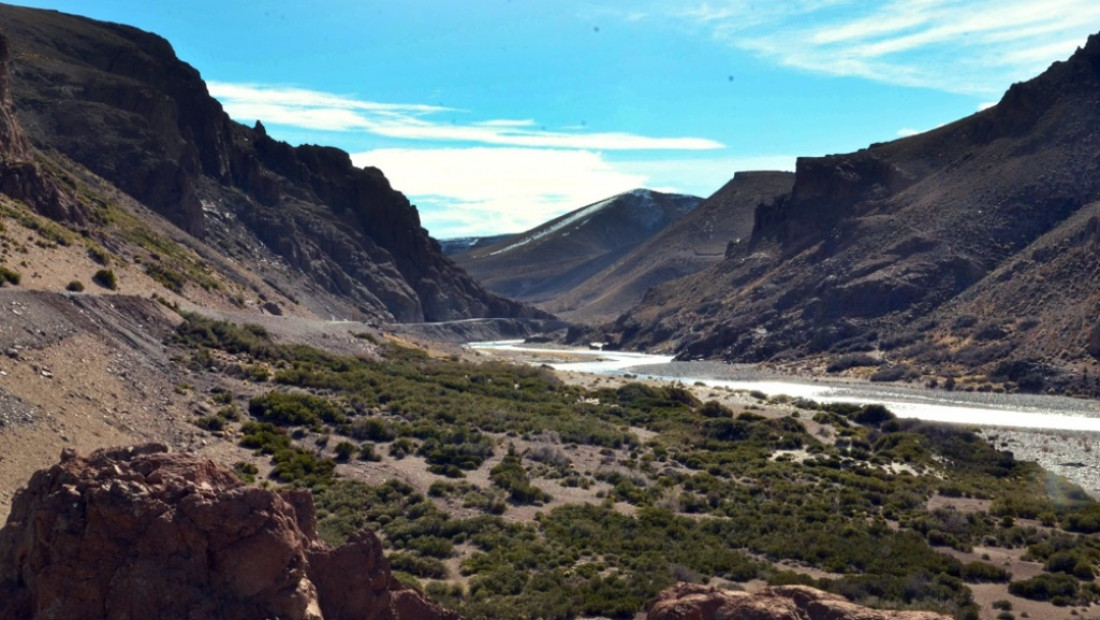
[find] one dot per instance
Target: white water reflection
(981, 409)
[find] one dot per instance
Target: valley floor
(90, 371)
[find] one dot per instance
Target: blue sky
(494, 116)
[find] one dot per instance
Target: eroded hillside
(874, 250)
(549, 261)
(117, 101)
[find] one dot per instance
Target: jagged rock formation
(143, 533)
(20, 177)
(686, 601)
(869, 246)
(550, 260)
(690, 244)
(117, 101)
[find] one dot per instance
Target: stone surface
(143, 533)
(20, 176)
(686, 601)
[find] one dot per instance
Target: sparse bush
(211, 423)
(246, 471)
(715, 409)
(169, 279)
(977, 572)
(896, 372)
(294, 409)
(367, 453)
(9, 277)
(1046, 587)
(106, 278)
(852, 360)
(372, 429)
(344, 451)
(989, 331)
(99, 255)
(873, 415)
(512, 478)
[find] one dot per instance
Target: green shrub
(8, 276)
(511, 477)
(977, 572)
(76, 286)
(1045, 587)
(715, 409)
(293, 409)
(169, 279)
(211, 423)
(99, 255)
(344, 450)
(429, 568)
(367, 453)
(246, 471)
(372, 429)
(106, 278)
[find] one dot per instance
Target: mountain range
(541, 264)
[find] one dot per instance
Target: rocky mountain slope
(113, 102)
(695, 241)
(901, 249)
(549, 260)
(457, 245)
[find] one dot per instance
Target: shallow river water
(981, 409)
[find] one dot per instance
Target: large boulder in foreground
(143, 533)
(688, 601)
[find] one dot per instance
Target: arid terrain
(279, 320)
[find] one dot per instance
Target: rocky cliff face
(142, 533)
(20, 176)
(688, 601)
(118, 101)
(690, 244)
(868, 245)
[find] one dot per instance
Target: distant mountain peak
(556, 255)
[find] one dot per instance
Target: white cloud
(905, 132)
(296, 107)
(985, 105)
(702, 177)
(979, 46)
(481, 191)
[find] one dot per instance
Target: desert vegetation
(682, 489)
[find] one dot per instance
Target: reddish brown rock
(143, 533)
(687, 601)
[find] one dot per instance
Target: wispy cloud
(978, 46)
(484, 190)
(296, 107)
(905, 132)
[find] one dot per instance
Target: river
(983, 409)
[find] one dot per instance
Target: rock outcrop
(686, 601)
(20, 177)
(143, 533)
